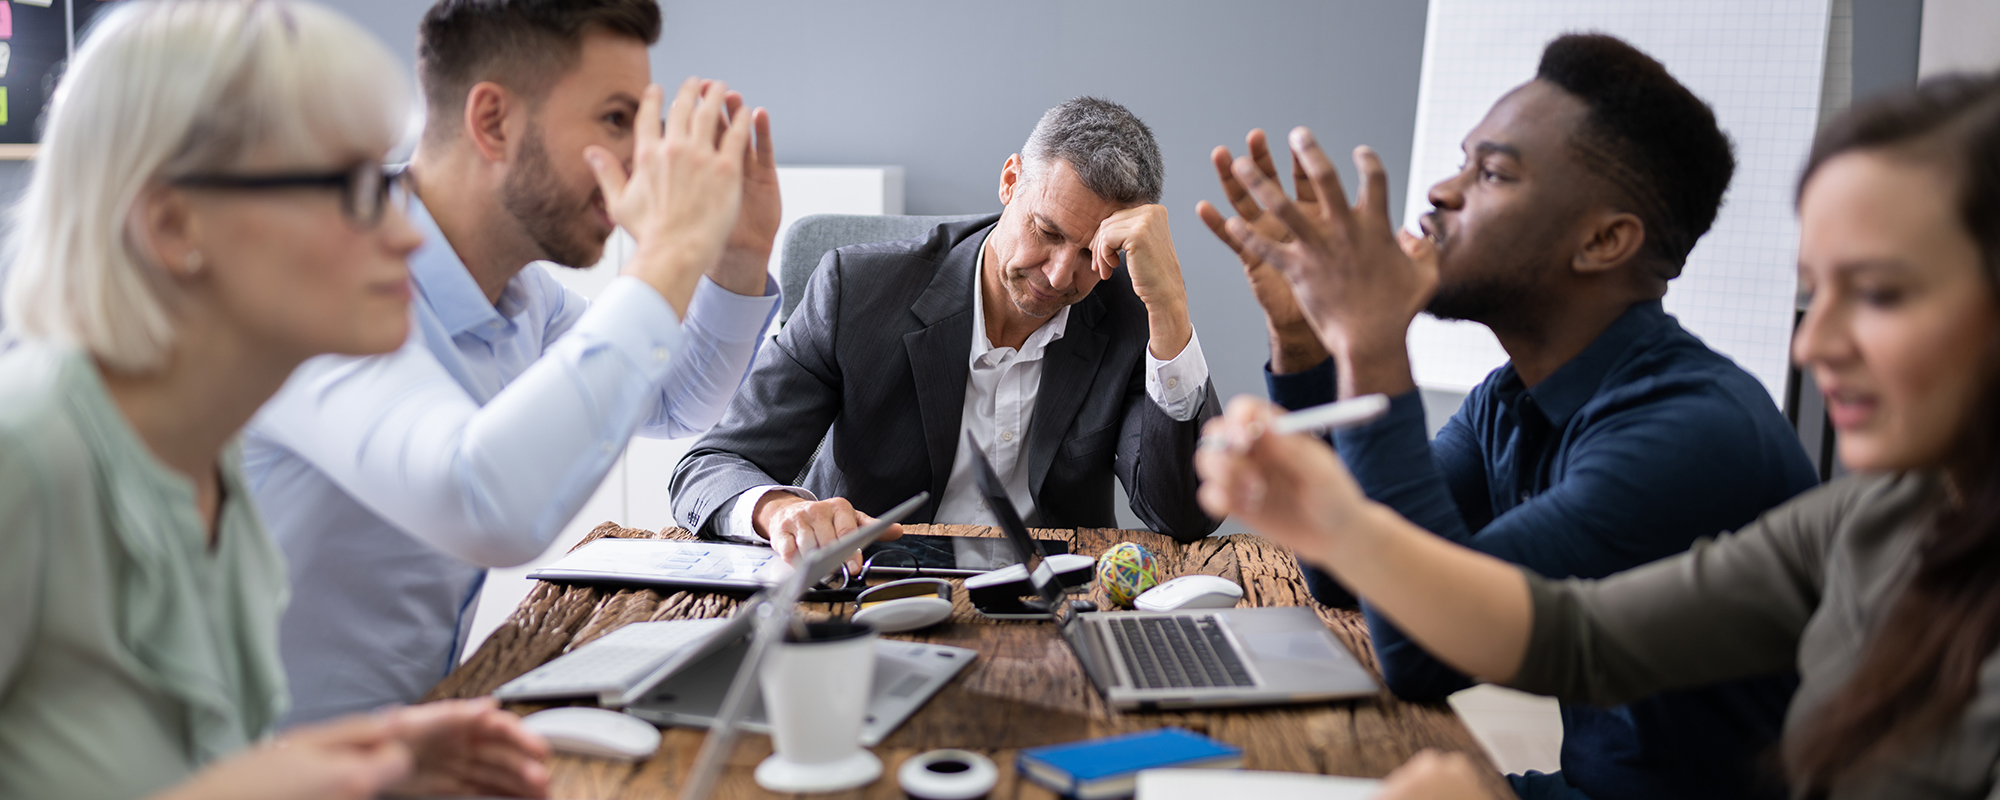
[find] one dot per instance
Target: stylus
(1320, 419)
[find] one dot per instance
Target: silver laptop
(1192, 658)
(907, 675)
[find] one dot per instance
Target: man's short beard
(534, 197)
(1508, 300)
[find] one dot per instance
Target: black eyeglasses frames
(366, 188)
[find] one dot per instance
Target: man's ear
(1611, 239)
(1010, 179)
(488, 107)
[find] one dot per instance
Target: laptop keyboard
(620, 658)
(1178, 652)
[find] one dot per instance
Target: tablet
(947, 555)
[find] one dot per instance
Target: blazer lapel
(940, 353)
(1069, 366)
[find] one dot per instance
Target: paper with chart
(1760, 65)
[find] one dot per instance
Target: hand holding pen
(1318, 420)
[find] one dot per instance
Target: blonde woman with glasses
(209, 209)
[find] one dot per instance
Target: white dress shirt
(999, 408)
(392, 482)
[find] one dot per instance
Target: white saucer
(778, 775)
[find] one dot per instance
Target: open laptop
(625, 664)
(1191, 658)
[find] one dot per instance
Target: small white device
(1320, 419)
(1190, 591)
(904, 605)
(595, 732)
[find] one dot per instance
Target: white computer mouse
(595, 732)
(1190, 591)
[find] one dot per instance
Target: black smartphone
(948, 555)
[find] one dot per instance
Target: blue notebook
(1109, 767)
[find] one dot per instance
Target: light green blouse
(131, 653)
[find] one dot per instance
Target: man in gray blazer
(1022, 330)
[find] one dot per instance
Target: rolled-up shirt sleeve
(493, 484)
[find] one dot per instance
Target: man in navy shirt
(1612, 437)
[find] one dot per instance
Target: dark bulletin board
(35, 41)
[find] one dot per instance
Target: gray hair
(160, 89)
(1112, 152)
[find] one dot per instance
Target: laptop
(907, 675)
(1192, 658)
(773, 611)
(625, 664)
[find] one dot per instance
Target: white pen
(1320, 419)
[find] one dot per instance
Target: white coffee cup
(815, 695)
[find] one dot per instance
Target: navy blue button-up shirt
(1635, 448)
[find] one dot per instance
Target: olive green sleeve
(1730, 607)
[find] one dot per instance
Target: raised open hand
(746, 257)
(1353, 280)
(682, 198)
(1294, 345)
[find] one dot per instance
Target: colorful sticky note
(6, 20)
(3, 105)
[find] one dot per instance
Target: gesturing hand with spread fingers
(1294, 345)
(1354, 280)
(685, 190)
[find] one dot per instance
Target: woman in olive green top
(207, 211)
(1882, 590)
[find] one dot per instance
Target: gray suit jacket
(875, 361)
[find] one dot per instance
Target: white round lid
(947, 775)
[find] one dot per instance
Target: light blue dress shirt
(393, 482)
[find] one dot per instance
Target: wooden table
(1024, 690)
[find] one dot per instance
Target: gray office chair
(810, 237)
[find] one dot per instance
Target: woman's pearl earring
(193, 263)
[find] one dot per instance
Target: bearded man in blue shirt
(391, 483)
(1612, 437)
